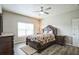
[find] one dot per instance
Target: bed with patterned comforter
(42, 38)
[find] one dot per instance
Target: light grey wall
(10, 21)
(63, 22)
(0, 9)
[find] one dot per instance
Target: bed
(45, 39)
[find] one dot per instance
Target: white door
(75, 32)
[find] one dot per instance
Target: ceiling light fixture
(41, 12)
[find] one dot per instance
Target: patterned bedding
(42, 38)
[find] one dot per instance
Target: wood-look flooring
(61, 50)
(17, 50)
(52, 50)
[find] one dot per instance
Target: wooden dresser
(6, 45)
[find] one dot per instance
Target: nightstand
(60, 40)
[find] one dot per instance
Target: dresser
(6, 45)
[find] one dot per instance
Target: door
(75, 32)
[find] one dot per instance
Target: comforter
(42, 38)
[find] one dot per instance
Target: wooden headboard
(50, 27)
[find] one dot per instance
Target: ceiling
(28, 9)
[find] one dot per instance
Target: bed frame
(40, 47)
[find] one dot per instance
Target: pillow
(45, 32)
(50, 32)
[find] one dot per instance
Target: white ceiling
(28, 9)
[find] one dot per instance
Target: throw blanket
(42, 38)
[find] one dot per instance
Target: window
(25, 29)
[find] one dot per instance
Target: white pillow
(45, 32)
(50, 32)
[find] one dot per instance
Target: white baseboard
(19, 42)
(69, 44)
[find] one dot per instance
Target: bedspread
(42, 38)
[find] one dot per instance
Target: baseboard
(69, 44)
(18, 42)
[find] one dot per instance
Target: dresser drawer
(10, 52)
(5, 39)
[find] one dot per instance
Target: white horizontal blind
(25, 29)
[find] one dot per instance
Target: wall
(10, 21)
(0, 9)
(63, 22)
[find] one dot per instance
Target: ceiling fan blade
(46, 12)
(42, 9)
(48, 8)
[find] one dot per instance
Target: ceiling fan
(44, 10)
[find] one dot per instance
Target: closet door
(75, 32)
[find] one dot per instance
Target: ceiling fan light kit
(41, 12)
